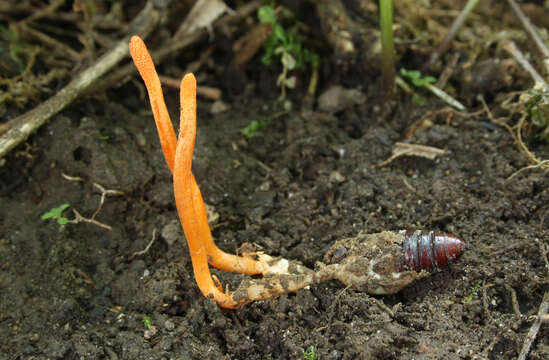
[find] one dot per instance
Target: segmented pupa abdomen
(428, 250)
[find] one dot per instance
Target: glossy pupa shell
(430, 250)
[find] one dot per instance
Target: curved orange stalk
(185, 197)
(145, 65)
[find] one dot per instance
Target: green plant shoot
(147, 321)
(285, 46)
(387, 46)
(57, 214)
(310, 354)
(255, 126)
(472, 294)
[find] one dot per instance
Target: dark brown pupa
(430, 250)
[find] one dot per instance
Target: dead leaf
(401, 149)
(248, 45)
(202, 15)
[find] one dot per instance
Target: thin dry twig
(204, 91)
(488, 349)
(543, 253)
(458, 22)
(402, 149)
(54, 44)
(541, 164)
(17, 130)
(485, 301)
(446, 74)
(533, 332)
(514, 300)
(530, 30)
(72, 178)
(146, 249)
(513, 50)
(47, 11)
(491, 116)
(104, 194)
(517, 137)
(79, 218)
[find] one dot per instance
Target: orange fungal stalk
(178, 155)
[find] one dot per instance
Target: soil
(307, 180)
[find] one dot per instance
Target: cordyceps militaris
(381, 263)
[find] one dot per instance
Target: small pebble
(169, 325)
(219, 107)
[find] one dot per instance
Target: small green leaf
(48, 215)
(62, 220)
(255, 126)
(266, 14)
(55, 212)
(430, 79)
(279, 33)
(418, 100)
(147, 321)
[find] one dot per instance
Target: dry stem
(533, 332)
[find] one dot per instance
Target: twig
(146, 249)
(540, 164)
(17, 130)
(54, 44)
(447, 72)
(384, 308)
(332, 309)
(441, 94)
(511, 48)
(104, 194)
(491, 345)
(521, 144)
(541, 227)
(402, 149)
(407, 184)
(204, 91)
(531, 31)
(458, 22)
(485, 301)
(494, 120)
(514, 300)
(72, 178)
(543, 254)
(79, 218)
(48, 10)
(533, 332)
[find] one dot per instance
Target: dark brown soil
(307, 180)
